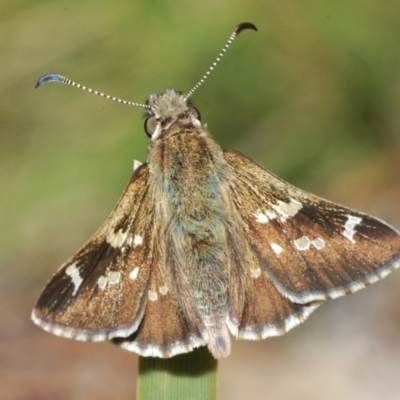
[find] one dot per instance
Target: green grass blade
(188, 376)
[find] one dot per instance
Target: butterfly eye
(195, 112)
(150, 125)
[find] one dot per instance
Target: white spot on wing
(270, 214)
(263, 218)
(349, 226)
(113, 277)
(276, 248)
(163, 290)
(136, 164)
(102, 282)
(73, 272)
(303, 243)
(116, 239)
(129, 240)
(133, 275)
(286, 210)
(318, 243)
(138, 240)
(256, 272)
(152, 295)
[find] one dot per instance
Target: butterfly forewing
(101, 291)
(312, 249)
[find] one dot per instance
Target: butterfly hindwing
(167, 328)
(257, 310)
(310, 248)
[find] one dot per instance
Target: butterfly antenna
(62, 79)
(241, 27)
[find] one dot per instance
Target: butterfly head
(169, 109)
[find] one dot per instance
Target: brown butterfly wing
(257, 310)
(310, 248)
(93, 296)
(166, 329)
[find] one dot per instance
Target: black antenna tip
(245, 25)
(48, 78)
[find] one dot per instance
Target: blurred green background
(314, 96)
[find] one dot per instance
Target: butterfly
(204, 243)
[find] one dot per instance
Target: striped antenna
(62, 79)
(234, 35)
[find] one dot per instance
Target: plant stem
(188, 376)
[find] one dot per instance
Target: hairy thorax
(188, 171)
